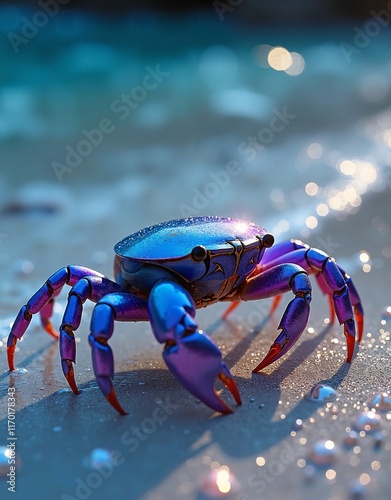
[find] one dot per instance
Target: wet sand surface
(323, 177)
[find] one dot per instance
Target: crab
(165, 272)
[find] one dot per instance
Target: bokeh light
(279, 59)
(297, 65)
(315, 150)
(311, 222)
(311, 188)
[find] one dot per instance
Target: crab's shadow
(165, 428)
(300, 352)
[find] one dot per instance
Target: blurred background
(128, 114)
(118, 115)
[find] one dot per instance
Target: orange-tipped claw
(112, 399)
(232, 387)
(349, 332)
(270, 357)
(70, 375)
(350, 342)
(46, 323)
(230, 384)
(224, 408)
(11, 353)
(360, 323)
(231, 308)
(196, 362)
(276, 301)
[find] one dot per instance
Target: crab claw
(195, 361)
(11, 345)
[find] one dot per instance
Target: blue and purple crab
(165, 272)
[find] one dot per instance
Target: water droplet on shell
(367, 421)
(321, 393)
(324, 452)
(380, 402)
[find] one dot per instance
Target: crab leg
(354, 298)
(119, 306)
(192, 357)
(92, 288)
(42, 301)
(273, 282)
(332, 280)
(230, 308)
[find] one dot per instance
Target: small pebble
(367, 421)
(380, 402)
(321, 393)
(298, 424)
(324, 452)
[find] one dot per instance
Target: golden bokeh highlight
(279, 59)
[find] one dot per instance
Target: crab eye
(198, 253)
(267, 240)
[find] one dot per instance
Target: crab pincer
(191, 355)
(195, 361)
